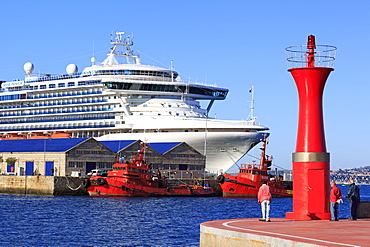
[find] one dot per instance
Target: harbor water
(85, 221)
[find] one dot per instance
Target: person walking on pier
(353, 196)
(335, 198)
(264, 197)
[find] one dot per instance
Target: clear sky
(236, 44)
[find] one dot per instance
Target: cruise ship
(125, 100)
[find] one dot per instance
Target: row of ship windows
(62, 84)
(56, 127)
(64, 94)
(58, 110)
(58, 118)
(132, 72)
(56, 102)
(47, 95)
(219, 93)
(52, 86)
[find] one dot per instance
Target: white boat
(125, 101)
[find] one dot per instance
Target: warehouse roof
(117, 146)
(40, 145)
(160, 147)
(163, 147)
(65, 144)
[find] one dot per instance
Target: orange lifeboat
(38, 136)
(13, 136)
(60, 135)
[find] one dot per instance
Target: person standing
(335, 197)
(353, 196)
(264, 197)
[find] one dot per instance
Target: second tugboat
(136, 179)
(248, 180)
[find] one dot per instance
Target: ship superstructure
(114, 100)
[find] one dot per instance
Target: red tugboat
(136, 179)
(248, 180)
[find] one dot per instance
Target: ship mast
(119, 40)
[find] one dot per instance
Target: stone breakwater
(42, 185)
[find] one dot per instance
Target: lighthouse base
(308, 216)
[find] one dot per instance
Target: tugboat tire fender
(221, 179)
(101, 181)
(86, 183)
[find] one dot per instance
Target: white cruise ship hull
(223, 149)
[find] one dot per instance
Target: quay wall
(42, 185)
(363, 210)
(67, 186)
(218, 237)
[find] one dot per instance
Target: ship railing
(47, 77)
(165, 79)
(58, 128)
(46, 112)
(241, 122)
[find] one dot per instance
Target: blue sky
(235, 44)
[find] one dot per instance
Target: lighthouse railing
(324, 56)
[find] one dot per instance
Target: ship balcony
(39, 104)
(56, 111)
(56, 127)
(65, 94)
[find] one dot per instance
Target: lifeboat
(60, 135)
(13, 136)
(38, 136)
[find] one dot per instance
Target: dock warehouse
(71, 156)
(48, 157)
(173, 159)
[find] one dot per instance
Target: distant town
(341, 176)
(361, 175)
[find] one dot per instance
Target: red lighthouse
(311, 162)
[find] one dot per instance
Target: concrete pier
(42, 185)
(284, 232)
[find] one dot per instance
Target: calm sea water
(85, 221)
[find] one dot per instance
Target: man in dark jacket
(353, 196)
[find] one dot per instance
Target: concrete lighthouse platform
(284, 232)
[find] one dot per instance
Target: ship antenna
(171, 70)
(251, 113)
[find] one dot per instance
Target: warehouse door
(90, 166)
(10, 169)
(49, 168)
(29, 168)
